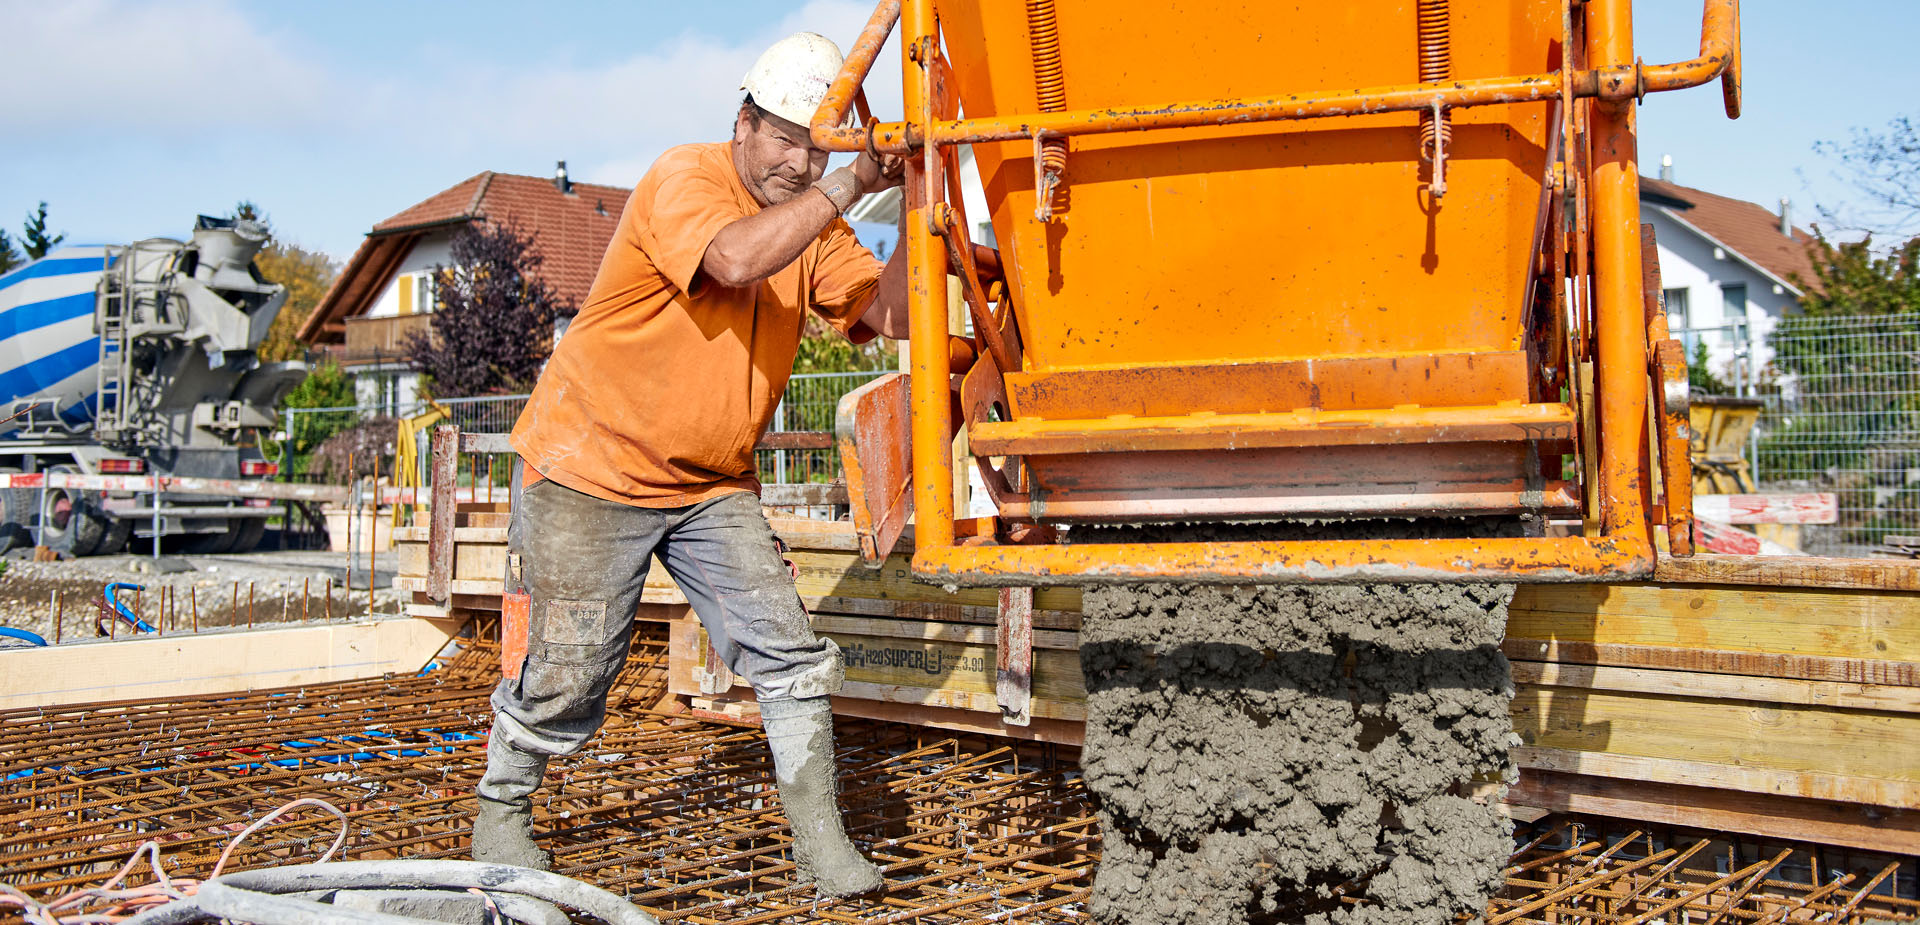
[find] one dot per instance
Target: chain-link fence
(321, 443)
(809, 405)
(1842, 415)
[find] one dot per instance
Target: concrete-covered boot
(800, 734)
(503, 829)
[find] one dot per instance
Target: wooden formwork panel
(1795, 699)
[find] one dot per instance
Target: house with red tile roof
(386, 291)
(1729, 270)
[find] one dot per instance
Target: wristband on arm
(841, 187)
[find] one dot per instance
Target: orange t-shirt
(665, 380)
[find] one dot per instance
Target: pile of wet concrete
(1296, 753)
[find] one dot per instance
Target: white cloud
(203, 69)
(190, 104)
(184, 67)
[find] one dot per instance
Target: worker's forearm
(758, 246)
(887, 314)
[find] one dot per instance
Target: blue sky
(129, 117)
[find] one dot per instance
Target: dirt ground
(281, 584)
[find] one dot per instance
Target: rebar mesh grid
(679, 814)
(1610, 873)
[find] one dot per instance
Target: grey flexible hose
(227, 902)
(553, 888)
(214, 900)
(258, 895)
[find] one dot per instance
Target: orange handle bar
(1536, 560)
(1719, 57)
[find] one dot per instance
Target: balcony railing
(374, 340)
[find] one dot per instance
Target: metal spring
(1049, 83)
(1436, 64)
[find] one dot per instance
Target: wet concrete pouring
(1297, 753)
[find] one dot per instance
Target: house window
(423, 301)
(1675, 301)
(1733, 296)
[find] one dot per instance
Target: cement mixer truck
(137, 361)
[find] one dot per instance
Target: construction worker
(638, 441)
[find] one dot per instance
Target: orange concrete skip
(1554, 498)
(1306, 427)
(1555, 559)
(1155, 366)
(1719, 57)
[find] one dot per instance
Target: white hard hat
(792, 76)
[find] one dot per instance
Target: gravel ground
(217, 586)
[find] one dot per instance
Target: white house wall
(434, 250)
(1687, 262)
(392, 385)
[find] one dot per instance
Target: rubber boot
(800, 734)
(503, 829)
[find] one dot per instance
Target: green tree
(326, 386)
(1700, 377)
(1884, 168)
(307, 276)
(493, 326)
(1848, 279)
(9, 254)
(36, 240)
(823, 350)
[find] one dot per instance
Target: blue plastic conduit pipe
(122, 609)
(32, 637)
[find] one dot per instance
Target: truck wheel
(211, 544)
(75, 525)
(16, 514)
(119, 531)
(247, 532)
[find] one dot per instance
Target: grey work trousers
(584, 561)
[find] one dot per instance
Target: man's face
(776, 158)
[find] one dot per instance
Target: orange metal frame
(1628, 339)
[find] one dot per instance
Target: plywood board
(1792, 571)
(839, 574)
(1839, 695)
(471, 561)
(915, 662)
(1819, 622)
(1858, 756)
(1818, 821)
(217, 662)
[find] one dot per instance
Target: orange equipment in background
(1237, 291)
